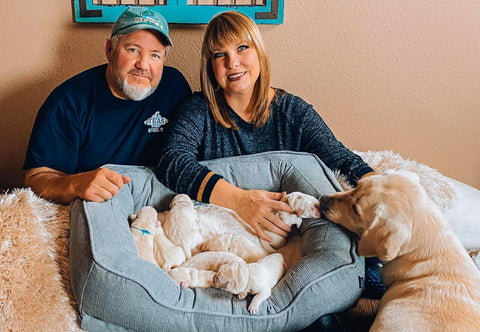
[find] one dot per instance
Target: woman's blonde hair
(231, 28)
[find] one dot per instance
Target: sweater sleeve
(178, 168)
(317, 138)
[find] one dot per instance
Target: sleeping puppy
(151, 242)
(143, 230)
(192, 277)
(432, 283)
(254, 278)
(304, 205)
(180, 224)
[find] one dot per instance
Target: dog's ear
(385, 238)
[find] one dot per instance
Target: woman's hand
(256, 207)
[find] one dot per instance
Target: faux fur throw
(438, 187)
(35, 291)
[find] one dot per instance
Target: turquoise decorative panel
(179, 11)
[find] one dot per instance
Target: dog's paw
(242, 295)
(184, 284)
(253, 308)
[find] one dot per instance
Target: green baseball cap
(138, 18)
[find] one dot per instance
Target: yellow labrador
(432, 283)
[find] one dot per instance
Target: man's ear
(108, 46)
(385, 238)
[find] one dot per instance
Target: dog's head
(145, 218)
(305, 205)
(380, 210)
(232, 277)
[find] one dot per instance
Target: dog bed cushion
(117, 291)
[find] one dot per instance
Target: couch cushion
(116, 290)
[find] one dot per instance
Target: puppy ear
(385, 238)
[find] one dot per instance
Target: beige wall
(385, 75)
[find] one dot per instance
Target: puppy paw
(184, 284)
(253, 308)
(242, 295)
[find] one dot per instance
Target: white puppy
(255, 278)
(152, 244)
(143, 230)
(180, 224)
(166, 253)
(305, 206)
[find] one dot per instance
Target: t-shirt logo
(156, 121)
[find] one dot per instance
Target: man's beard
(133, 92)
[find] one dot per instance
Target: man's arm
(97, 186)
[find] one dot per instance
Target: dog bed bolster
(117, 291)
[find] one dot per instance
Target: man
(113, 113)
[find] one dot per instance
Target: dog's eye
(355, 209)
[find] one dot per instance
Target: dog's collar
(144, 231)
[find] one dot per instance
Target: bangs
(225, 32)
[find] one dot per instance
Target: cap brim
(140, 26)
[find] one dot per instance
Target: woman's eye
(218, 55)
(242, 47)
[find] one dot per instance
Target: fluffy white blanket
(35, 291)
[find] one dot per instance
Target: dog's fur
(200, 269)
(166, 253)
(432, 283)
(235, 244)
(254, 278)
(143, 230)
(154, 246)
(180, 224)
(192, 277)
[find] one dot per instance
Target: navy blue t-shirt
(82, 125)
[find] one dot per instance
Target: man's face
(135, 64)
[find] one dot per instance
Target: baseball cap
(138, 18)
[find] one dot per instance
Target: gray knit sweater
(293, 125)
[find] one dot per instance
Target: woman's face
(236, 68)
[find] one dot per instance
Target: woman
(239, 113)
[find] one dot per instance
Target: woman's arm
(180, 171)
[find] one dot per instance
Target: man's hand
(98, 185)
